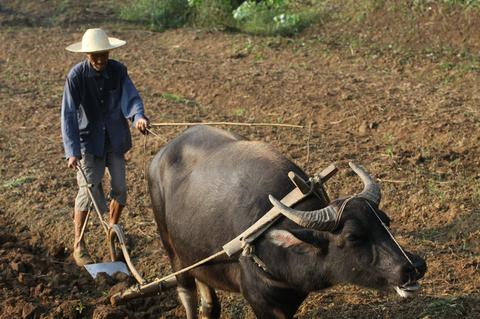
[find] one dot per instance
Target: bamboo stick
(225, 123)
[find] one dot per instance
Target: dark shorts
(94, 168)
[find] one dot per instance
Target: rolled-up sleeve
(131, 102)
(69, 121)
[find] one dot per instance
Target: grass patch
(389, 151)
(158, 15)
(178, 99)
(213, 13)
(16, 182)
(265, 17)
(239, 111)
(275, 17)
(445, 308)
(426, 4)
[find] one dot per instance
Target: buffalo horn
(371, 190)
(321, 219)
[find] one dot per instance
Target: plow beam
(137, 291)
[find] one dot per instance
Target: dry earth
(414, 124)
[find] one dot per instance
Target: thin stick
(225, 123)
(308, 142)
(185, 60)
(97, 209)
(84, 226)
(145, 162)
(156, 135)
(181, 271)
(391, 181)
(340, 121)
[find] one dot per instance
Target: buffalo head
(351, 242)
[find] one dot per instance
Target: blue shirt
(95, 109)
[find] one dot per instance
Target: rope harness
(249, 251)
(391, 236)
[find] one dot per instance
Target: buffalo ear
(286, 239)
(283, 238)
(318, 239)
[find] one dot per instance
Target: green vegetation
(178, 99)
(213, 13)
(157, 14)
(16, 182)
(463, 3)
(267, 17)
(446, 308)
(80, 307)
(389, 151)
(239, 111)
(273, 17)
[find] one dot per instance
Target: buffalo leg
(187, 293)
(269, 298)
(266, 307)
(210, 306)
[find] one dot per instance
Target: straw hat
(95, 40)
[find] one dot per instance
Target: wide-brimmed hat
(95, 40)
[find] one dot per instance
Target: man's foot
(81, 257)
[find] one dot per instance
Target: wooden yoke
(315, 184)
(303, 189)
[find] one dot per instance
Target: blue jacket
(95, 109)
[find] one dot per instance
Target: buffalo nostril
(419, 265)
(411, 273)
(420, 268)
(408, 274)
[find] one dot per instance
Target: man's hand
(142, 125)
(72, 162)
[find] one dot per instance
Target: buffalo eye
(386, 220)
(354, 238)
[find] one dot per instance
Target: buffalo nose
(408, 273)
(420, 267)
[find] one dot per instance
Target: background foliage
(269, 17)
(266, 17)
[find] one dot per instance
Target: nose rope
(391, 236)
(339, 216)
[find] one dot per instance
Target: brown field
(409, 112)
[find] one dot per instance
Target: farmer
(98, 99)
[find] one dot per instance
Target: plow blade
(110, 268)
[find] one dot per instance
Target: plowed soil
(415, 125)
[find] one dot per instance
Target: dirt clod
(18, 266)
(120, 276)
(108, 312)
(28, 311)
(25, 279)
(103, 281)
(121, 286)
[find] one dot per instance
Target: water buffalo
(208, 185)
